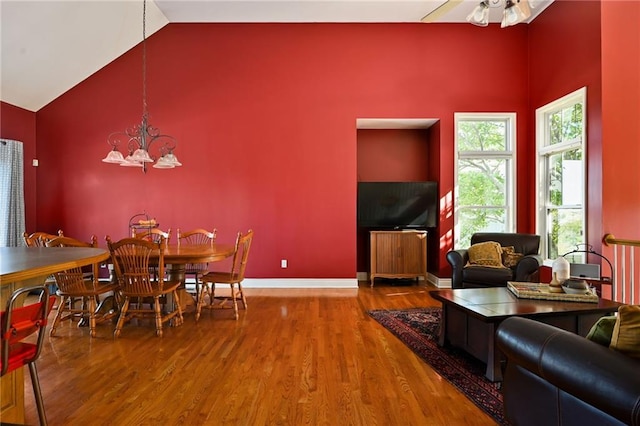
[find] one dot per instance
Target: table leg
(176, 272)
(494, 370)
(443, 326)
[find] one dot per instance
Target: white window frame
(509, 154)
(544, 149)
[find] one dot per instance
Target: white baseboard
(440, 282)
(300, 283)
(293, 283)
(431, 279)
(323, 282)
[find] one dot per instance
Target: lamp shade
(480, 15)
(114, 156)
(515, 12)
(142, 156)
(162, 163)
(131, 162)
(172, 159)
(560, 269)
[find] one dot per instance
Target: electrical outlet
(283, 263)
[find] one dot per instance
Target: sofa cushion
(509, 256)
(486, 254)
(487, 276)
(602, 330)
(626, 332)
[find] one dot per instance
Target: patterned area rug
(418, 329)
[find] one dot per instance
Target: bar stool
(17, 323)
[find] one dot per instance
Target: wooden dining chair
(75, 285)
(155, 235)
(198, 236)
(232, 277)
(17, 325)
(39, 239)
(131, 259)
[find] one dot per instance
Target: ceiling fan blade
(441, 10)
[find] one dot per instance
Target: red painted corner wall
(620, 120)
(564, 56)
(20, 125)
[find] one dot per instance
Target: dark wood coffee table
(471, 316)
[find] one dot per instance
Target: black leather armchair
(554, 377)
(479, 276)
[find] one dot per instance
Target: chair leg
(58, 317)
(200, 300)
(178, 307)
(92, 316)
(37, 393)
(244, 300)
(235, 300)
(197, 287)
(156, 306)
(123, 314)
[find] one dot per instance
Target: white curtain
(11, 194)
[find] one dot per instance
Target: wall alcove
(401, 150)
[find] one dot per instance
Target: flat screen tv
(397, 205)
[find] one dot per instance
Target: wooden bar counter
(24, 266)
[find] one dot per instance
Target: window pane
(564, 231)
(566, 181)
(472, 220)
(482, 182)
(482, 135)
(555, 128)
(572, 123)
(566, 125)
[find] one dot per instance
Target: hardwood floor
(295, 357)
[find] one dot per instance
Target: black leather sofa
(478, 276)
(554, 377)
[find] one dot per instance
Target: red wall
(393, 155)
(266, 119)
(621, 118)
(565, 55)
(20, 125)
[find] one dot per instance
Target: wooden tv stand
(398, 254)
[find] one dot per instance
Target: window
(560, 136)
(11, 193)
(484, 175)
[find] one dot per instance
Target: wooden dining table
(178, 256)
(25, 266)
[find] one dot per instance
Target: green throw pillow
(602, 330)
(626, 333)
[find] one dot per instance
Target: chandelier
(141, 137)
(515, 11)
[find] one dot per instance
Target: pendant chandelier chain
(144, 58)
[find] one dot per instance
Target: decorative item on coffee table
(543, 292)
(559, 273)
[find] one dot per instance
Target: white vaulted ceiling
(49, 46)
